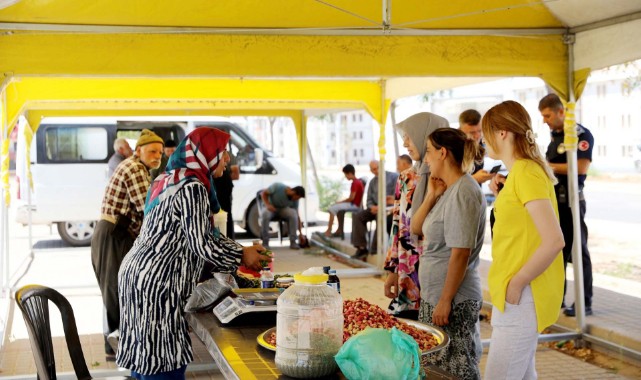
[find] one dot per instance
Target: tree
(633, 81)
(329, 191)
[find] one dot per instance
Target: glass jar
(309, 327)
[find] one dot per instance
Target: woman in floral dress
(402, 284)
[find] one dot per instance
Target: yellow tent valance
(278, 56)
(579, 80)
(182, 95)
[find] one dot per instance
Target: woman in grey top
(452, 221)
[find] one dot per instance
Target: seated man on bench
(281, 201)
(351, 203)
(361, 218)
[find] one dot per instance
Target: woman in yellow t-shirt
(526, 275)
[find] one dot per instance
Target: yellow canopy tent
(289, 40)
(285, 59)
(210, 57)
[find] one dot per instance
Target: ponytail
(464, 152)
(472, 153)
(512, 117)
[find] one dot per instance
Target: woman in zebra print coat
(161, 269)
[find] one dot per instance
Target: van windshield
(243, 149)
(245, 141)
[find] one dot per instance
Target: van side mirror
(259, 157)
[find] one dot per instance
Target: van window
(166, 131)
(243, 148)
(244, 153)
(75, 143)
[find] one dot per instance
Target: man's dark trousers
(565, 218)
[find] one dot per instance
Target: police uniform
(556, 155)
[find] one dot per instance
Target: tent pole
(387, 14)
(381, 214)
(314, 171)
(24, 126)
(375, 30)
(573, 184)
(392, 113)
(303, 164)
(4, 217)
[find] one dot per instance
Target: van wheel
(252, 222)
(77, 233)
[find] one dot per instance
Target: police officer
(553, 114)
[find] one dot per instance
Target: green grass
(622, 270)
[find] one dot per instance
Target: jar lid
(285, 279)
(310, 279)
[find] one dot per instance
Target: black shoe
(570, 312)
(360, 253)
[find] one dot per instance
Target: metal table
(234, 348)
(238, 355)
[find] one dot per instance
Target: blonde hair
(463, 151)
(510, 116)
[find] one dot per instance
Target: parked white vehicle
(259, 168)
(69, 170)
(485, 187)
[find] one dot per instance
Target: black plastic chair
(33, 301)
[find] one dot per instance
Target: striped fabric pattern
(158, 275)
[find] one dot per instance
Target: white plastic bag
(208, 292)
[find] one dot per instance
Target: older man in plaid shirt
(120, 222)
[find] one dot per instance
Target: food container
(284, 282)
(309, 321)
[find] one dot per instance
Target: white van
(259, 169)
(69, 170)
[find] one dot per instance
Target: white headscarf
(418, 128)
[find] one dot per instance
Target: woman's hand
(436, 187)
(496, 183)
(251, 258)
(513, 293)
(542, 213)
(391, 285)
(441, 313)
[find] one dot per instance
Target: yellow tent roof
(204, 57)
(287, 56)
(285, 40)
(283, 14)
